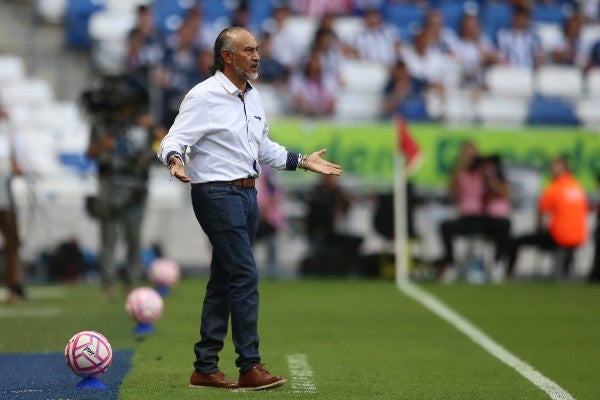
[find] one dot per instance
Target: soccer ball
(144, 305)
(164, 272)
(88, 353)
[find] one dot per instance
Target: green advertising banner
(366, 150)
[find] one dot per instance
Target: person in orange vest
(562, 217)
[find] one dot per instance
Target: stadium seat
(125, 6)
(272, 101)
(28, 92)
(51, 10)
(501, 111)
(304, 29)
(590, 33)
(551, 111)
(39, 152)
(108, 31)
(588, 112)
(403, 16)
(549, 34)
(495, 16)
(453, 13)
(459, 109)
(592, 83)
(59, 116)
(77, 15)
(347, 27)
(111, 25)
(353, 106)
(363, 76)
(504, 80)
(169, 14)
(260, 11)
(559, 81)
(214, 10)
(548, 13)
(12, 68)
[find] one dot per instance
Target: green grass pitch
(362, 339)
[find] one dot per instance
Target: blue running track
(45, 376)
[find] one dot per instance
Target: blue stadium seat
(453, 13)
(403, 16)
(164, 13)
(77, 16)
(214, 10)
(551, 111)
(547, 13)
(260, 10)
(79, 162)
(494, 17)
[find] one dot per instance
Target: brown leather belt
(243, 182)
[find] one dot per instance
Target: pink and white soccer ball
(164, 272)
(144, 305)
(88, 353)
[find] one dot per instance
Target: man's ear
(227, 56)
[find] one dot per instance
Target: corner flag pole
(407, 159)
(400, 236)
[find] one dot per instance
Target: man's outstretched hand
(315, 163)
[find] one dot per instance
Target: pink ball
(164, 272)
(88, 353)
(144, 305)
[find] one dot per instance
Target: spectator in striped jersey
(519, 46)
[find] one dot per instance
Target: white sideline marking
(475, 334)
(30, 312)
(38, 292)
(302, 374)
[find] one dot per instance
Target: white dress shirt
(226, 138)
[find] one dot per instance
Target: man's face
(245, 57)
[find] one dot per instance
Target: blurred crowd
(428, 57)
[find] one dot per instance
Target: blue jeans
(229, 217)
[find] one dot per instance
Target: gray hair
(224, 42)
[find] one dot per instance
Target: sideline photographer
(122, 134)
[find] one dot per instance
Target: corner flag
(408, 146)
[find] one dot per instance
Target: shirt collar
(229, 86)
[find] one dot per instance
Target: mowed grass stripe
(553, 326)
(491, 346)
(363, 339)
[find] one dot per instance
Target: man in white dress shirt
(222, 125)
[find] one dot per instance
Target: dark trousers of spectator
(594, 275)
(540, 239)
(495, 229)
(12, 265)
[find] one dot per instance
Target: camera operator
(482, 195)
(121, 141)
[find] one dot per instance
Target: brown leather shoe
(259, 378)
(216, 380)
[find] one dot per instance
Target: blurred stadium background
(52, 50)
